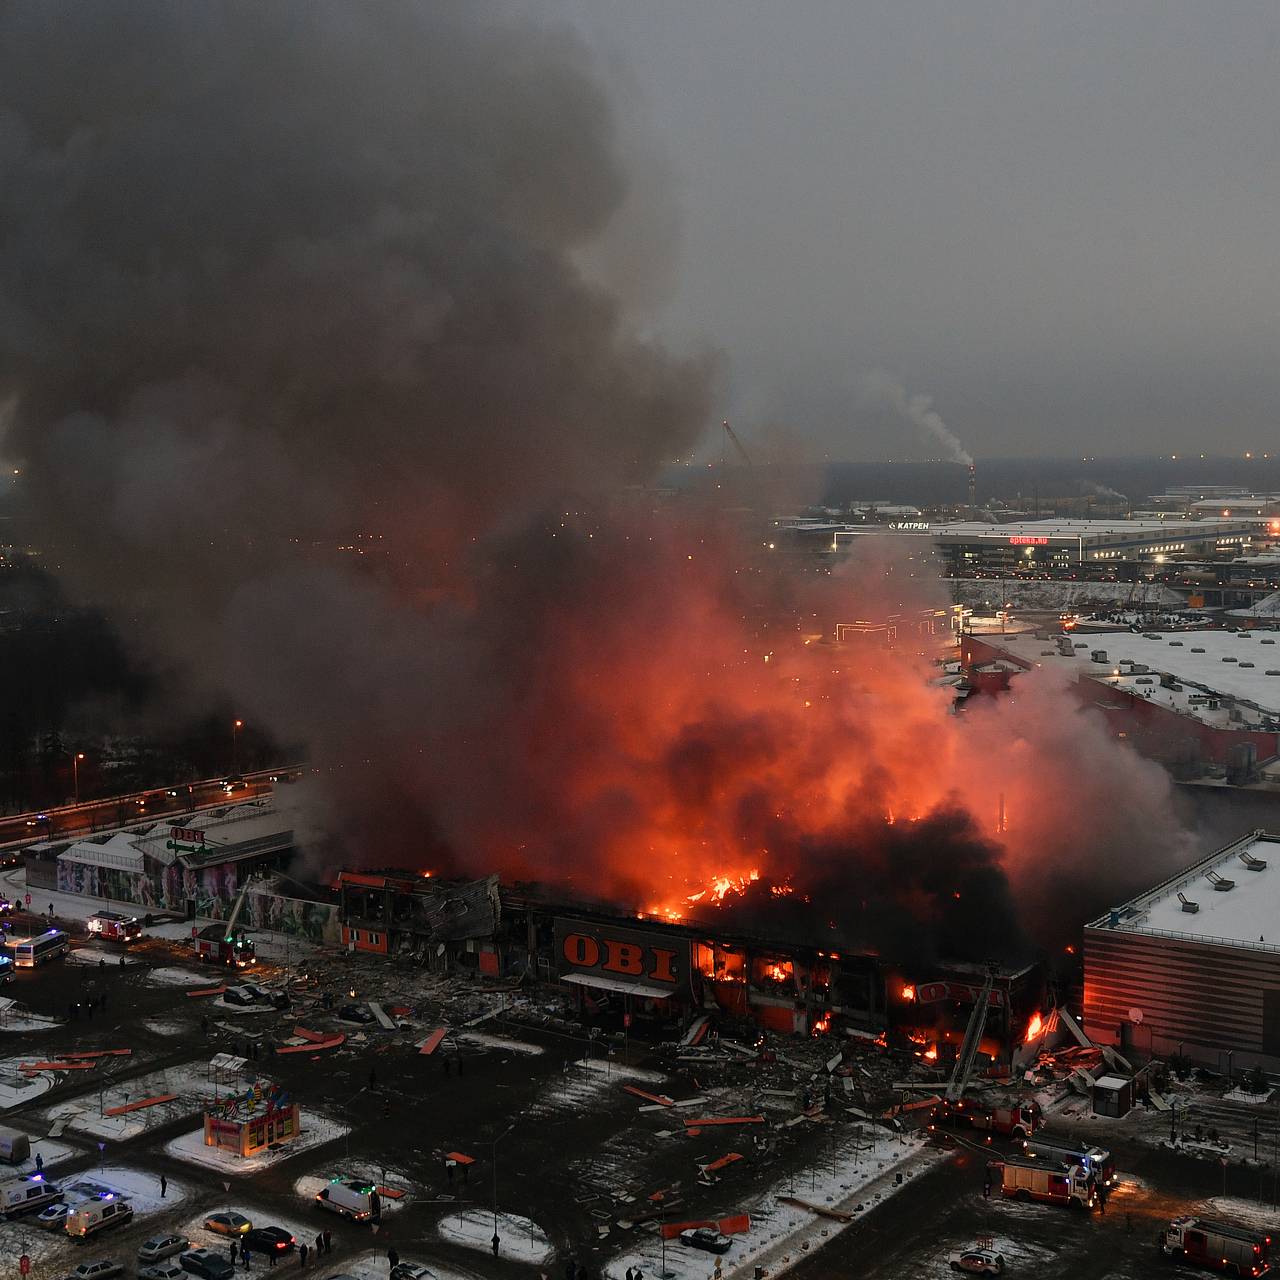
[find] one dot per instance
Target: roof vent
(1220, 884)
(1254, 864)
(1189, 907)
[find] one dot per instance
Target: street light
(494, 1144)
(236, 726)
(76, 757)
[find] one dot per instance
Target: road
(117, 811)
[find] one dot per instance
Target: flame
(1034, 1027)
(908, 992)
(779, 972)
(931, 1053)
(823, 1025)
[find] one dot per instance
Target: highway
(118, 811)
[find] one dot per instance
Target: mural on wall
(312, 921)
(214, 890)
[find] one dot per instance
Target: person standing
(319, 1245)
(328, 1240)
(393, 1257)
(231, 1253)
(302, 1255)
(164, 1186)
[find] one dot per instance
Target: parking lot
(569, 1149)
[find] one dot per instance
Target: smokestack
(973, 491)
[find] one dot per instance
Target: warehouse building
(1192, 967)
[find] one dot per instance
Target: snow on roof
(120, 852)
(1247, 914)
(1207, 663)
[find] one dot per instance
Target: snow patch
(317, 1129)
(519, 1238)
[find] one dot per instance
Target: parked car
(6, 907)
(206, 1264)
(412, 1271)
(99, 1269)
(707, 1238)
(240, 996)
(978, 1262)
(169, 1269)
(355, 1013)
(279, 999)
(269, 1240)
(162, 1247)
(227, 1224)
(54, 1218)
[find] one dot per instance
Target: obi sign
(634, 957)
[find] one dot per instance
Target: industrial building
(1040, 546)
(1191, 699)
(1192, 967)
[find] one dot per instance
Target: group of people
(323, 1244)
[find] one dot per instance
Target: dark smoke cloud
(276, 279)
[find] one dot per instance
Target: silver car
(162, 1247)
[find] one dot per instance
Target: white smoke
(917, 409)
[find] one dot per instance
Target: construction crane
(737, 444)
(968, 1054)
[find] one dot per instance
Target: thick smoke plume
(307, 388)
(918, 410)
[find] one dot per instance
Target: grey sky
(1059, 220)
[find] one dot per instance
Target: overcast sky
(1059, 220)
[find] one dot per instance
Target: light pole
(496, 1241)
(236, 726)
(76, 757)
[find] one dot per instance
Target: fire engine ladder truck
(968, 1054)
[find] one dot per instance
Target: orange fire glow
(823, 1025)
(1034, 1027)
(780, 972)
(931, 1053)
(908, 992)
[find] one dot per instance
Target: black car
(239, 995)
(269, 1240)
(206, 1264)
(707, 1238)
(355, 1013)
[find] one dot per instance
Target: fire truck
(1096, 1160)
(1029, 1179)
(1217, 1246)
(1014, 1120)
(112, 925)
(215, 944)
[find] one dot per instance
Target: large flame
(1034, 1027)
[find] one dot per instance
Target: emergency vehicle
(1217, 1246)
(1014, 1120)
(356, 1200)
(1021, 1178)
(214, 945)
(115, 927)
(21, 1195)
(1097, 1160)
(98, 1214)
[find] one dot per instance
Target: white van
(91, 1216)
(358, 1200)
(15, 1147)
(33, 1191)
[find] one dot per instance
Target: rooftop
(1235, 893)
(1203, 665)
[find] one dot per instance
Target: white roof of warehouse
(1171, 653)
(1247, 915)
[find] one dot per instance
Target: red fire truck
(1014, 1120)
(1021, 1178)
(1217, 1246)
(215, 944)
(112, 925)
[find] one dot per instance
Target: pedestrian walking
(328, 1240)
(244, 1255)
(302, 1255)
(164, 1186)
(122, 962)
(494, 1243)
(39, 1163)
(102, 964)
(51, 911)
(319, 1245)
(231, 1252)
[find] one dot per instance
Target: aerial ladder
(732, 436)
(968, 1054)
